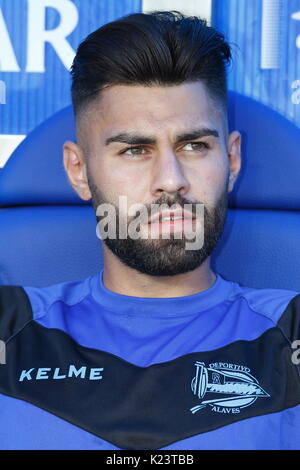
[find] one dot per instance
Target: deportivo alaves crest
(225, 388)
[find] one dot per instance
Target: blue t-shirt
(87, 368)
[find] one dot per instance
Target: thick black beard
(166, 257)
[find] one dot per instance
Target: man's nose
(168, 175)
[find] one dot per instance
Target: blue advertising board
(38, 40)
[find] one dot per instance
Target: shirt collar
(170, 306)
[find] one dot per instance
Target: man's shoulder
(280, 306)
(267, 301)
(68, 292)
(21, 304)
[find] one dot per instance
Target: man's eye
(196, 146)
(133, 151)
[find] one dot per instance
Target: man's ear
(234, 155)
(75, 166)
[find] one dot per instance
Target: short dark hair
(159, 48)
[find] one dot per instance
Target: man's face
(145, 143)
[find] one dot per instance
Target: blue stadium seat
(47, 233)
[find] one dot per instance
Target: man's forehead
(169, 98)
(153, 110)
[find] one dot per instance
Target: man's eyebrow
(137, 139)
(133, 139)
(197, 134)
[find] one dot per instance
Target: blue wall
(242, 23)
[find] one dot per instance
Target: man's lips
(171, 216)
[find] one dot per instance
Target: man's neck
(124, 280)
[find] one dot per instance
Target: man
(156, 351)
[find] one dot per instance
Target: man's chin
(157, 257)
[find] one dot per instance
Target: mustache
(177, 202)
(165, 203)
(149, 210)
